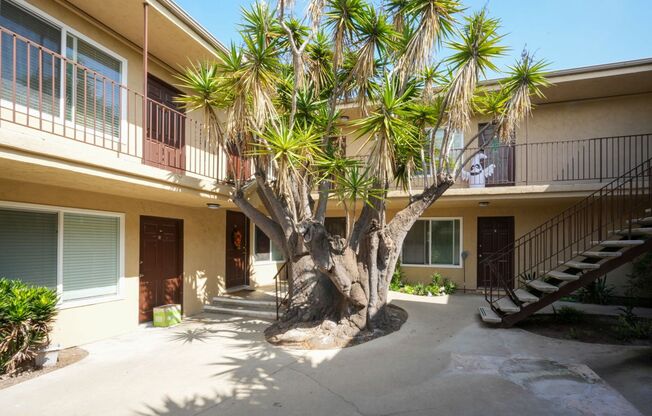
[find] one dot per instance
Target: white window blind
(36, 74)
(90, 255)
(93, 97)
(28, 246)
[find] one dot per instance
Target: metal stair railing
(609, 210)
(281, 289)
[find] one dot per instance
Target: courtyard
(443, 361)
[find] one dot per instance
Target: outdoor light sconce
(213, 206)
(483, 203)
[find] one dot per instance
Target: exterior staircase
(609, 228)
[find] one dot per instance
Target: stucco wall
(203, 249)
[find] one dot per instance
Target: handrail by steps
(605, 212)
(279, 286)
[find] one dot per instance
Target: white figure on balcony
(477, 175)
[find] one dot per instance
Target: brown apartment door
(494, 234)
(166, 126)
(237, 243)
(500, 154)
(161, 264)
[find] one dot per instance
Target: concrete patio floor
(443, 361)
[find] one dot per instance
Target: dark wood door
(237, 249)
(500, 154)
(166, 126)
(494, 234)
(161, 264)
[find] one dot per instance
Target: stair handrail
(278, 286)
(642, 173)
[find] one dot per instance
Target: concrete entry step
(581, 265)
(525, 296)
(251, 313)
(228, 300)
(542, 286)
(643, 221)
(506, 305)
(566, 277)
(619, 243)
(488, 315)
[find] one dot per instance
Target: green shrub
(598, 292)
(569, 315)
(437, 286)
(26, 317)
(630, 329)
(397, 279)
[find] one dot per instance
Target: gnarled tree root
(327, 334)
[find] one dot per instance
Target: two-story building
(113, 194)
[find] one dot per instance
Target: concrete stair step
(525, 296)
(581, 265)
(618, 243)
(566, 277)
(542, 286)
(251, 313)
(229, 300)
(506, 305)
(600, 254)
(643, 221)
(641, 231)
(488, 315)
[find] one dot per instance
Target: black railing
(594, 160)
(610, 211)
(281, 288)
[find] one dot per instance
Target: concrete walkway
(443, 361)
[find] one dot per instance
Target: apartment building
(105, 180)
(112, 194)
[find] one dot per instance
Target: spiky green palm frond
(434, 21)
(320, 62)
(526, 78)
(474, 54)
(341, 16)
(388, 128)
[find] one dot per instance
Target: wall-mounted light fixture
(483, 203)
(213, 206)
(344, 118)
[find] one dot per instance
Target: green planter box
(167, 315)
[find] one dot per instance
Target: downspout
(145, 69)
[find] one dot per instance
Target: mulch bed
(595, 329)
(66, 357)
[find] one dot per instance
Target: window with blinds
(93, 88)
(28, 246)
(434, 242)
(30, 76)
(87, 265)
(90, 255)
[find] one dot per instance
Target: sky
(567, 33)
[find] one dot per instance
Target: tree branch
(266, 224)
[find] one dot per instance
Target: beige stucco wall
(203, 249)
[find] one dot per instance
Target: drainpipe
(145, 59)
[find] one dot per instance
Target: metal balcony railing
(43, 90)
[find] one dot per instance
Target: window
(36, 74)
(264, 248)
(433, 242)
(91, 89)
(76, 252)
(336, 226)
(457, 143)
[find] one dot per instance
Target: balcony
(45, 91)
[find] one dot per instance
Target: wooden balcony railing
(597, 160)
(43, 90)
